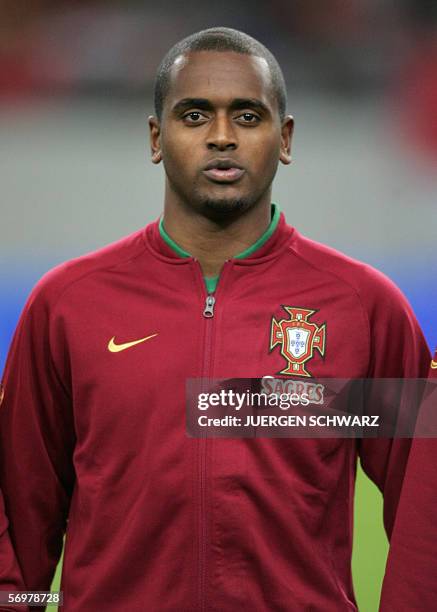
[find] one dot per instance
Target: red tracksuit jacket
(93, 442)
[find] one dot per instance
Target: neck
(210, 241)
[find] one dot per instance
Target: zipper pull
(209, 307)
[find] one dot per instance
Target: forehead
(220, 76)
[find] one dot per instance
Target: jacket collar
(268, 248)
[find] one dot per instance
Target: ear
(155, 139)
(286, 137)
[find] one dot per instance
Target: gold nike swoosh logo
(116, 348)
(434, 364)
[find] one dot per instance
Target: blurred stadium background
(76, 79)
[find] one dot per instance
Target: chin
(225, 206)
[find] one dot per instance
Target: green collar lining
(211, 282)
(171, 243)
(262, 239)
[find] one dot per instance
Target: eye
(193, 117)
(248, 118)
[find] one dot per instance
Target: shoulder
(397, 346)
(369, 284)
(59, 279)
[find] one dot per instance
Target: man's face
(220, 136)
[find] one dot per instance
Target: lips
(223, 171)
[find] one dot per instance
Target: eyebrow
(205, 104)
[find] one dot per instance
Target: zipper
(208, 311)
(204, 444)
(208, 314)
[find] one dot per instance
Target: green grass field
(370, 546)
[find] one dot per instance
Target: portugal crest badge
(298, 338)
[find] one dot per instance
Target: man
(410, 581)
(93, 427)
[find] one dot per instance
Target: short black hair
(218, 39)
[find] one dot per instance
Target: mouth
(223, 171)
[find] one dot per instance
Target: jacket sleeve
(36, 443)
(11, 580)
(398, 350)
(410, 581)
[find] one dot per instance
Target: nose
(221, 135)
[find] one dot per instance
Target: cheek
(266, 150)
(179, 155)
(170, 152)
(176, 161)
(267, 159)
